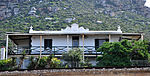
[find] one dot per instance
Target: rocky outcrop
(10, 8)
(112, 6)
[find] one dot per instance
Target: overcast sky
(147, 3)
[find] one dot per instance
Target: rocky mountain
(19, 15)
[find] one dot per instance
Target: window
(75, 41)
(47, 44)
(99, 42)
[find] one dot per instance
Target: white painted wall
(115, 38)
(89, 40)
(56, 40)
(61, 40)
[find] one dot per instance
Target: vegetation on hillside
(57, 14)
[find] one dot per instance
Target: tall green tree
(121, 53)
(73, 57)
(139, 50)
(114, 54)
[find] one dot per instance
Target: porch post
(109, 38)
(83, 46)
(67, 42)
(6, 46)
(2, 53)
(40, 46)
(142, 38)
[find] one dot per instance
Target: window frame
(77, 39)
(97, 45)
(50, 44)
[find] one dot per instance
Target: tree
(121, 53)
(139, 50)
(73, 57)
(114, 54)
(44, 62)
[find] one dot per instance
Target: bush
(86, 63)
(115, 54)
(44, 62)
(73, 57)
(8, 64)
(139, 50)
(33, 62)
(55, 63)
(121, 53)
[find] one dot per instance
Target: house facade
(57, 42)
(44, 43)
(71, 37)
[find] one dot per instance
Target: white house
(57, 42)
(43, 43)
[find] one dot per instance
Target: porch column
(6, 46)
(142, 38)
(2, 53)
(109, 38)
(40, 46)
(67, 42)
(83, 46)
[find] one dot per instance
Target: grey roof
(74, 29)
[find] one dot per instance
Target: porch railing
(53, 50)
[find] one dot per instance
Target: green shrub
(55, 63)
(73, 57)
(115, 54)
(86, 63)
(139, 50)
(33, 62)
(8, 64)
(121, 53)
(44, 62)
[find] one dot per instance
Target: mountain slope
(131, 15)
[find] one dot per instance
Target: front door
(75, 41)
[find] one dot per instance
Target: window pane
(101, 42)
(75, 43)
(75, 40)
(48, 44)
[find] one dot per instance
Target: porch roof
(81, 33)
(19, 38)
(73, 30)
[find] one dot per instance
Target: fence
(88, 50)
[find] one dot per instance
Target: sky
(147, 3)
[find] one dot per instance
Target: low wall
(81, 72)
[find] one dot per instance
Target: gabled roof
(74, 29)
(24, 38)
